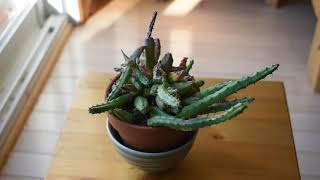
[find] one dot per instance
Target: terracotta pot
(150, 162)
(144, 138)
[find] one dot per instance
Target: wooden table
(256, 145)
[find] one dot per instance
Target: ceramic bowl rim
(149, 154)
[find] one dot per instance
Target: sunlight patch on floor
(105, 17)
(180, 7)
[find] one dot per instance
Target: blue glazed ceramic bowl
(147, 161)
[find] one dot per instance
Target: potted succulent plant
(154, 109)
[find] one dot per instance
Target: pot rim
(135, 126)
(149, 154)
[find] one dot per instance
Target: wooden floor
(226, 38)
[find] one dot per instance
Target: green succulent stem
(210, 90)
(112, 104)
(185, 87)
(152, 22)
(136, 83)
(141, 76)
(190, 100)
(150, 58)
(141, 104)
(188, 68)
(154, 89)
(200, 105)
(123, 115)
(166, 97)
(224, 106)
(196, 123)
(157, 49)
(155, 111)
(135, 68)
(166, 62)
(123, 79)
(150, 45)
(137, 53)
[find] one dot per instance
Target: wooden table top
(258, 144)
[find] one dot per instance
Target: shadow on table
(212, 162)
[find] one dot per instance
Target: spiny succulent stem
(166, 97)
(150, 57)
(155, 111)
(198, 106)
(166, 62)
(123, 114)
(137, 53)
(188, 68)
(184, 87)
(153, 20)
(224, 106)
(157, 49)
(195, 123)
(136, 83)
(116, 103)
(123, 79)
(135, 68)
(190, 100)
(210, 90)
(141, 104)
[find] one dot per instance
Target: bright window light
(56, 4)
(180, 7)
(73, 9)
(106, 17)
